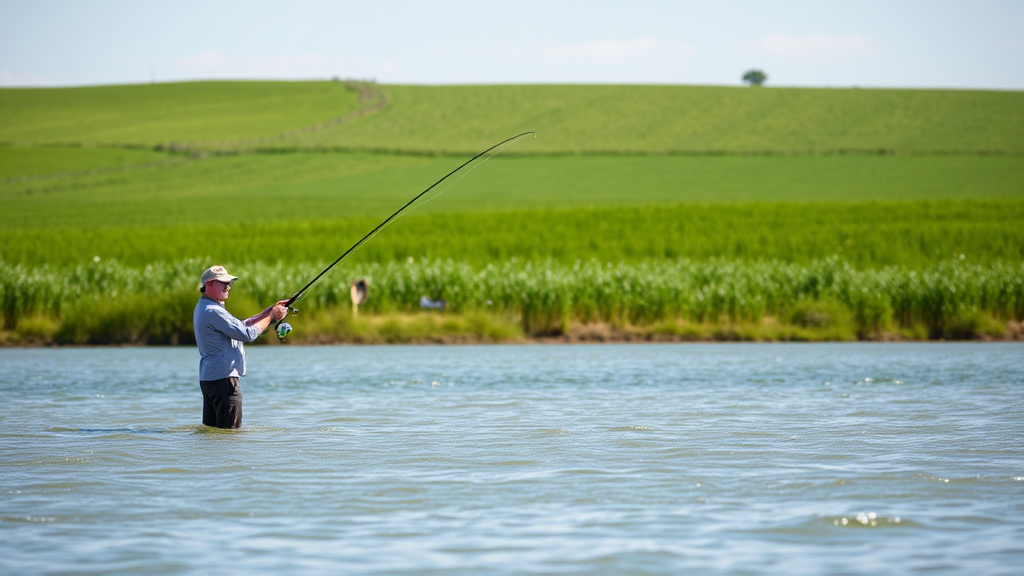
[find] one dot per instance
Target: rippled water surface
(615, 459)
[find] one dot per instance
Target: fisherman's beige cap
(216, 273)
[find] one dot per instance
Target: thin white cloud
(686, 50)
(209, 60)
(292, 66)
(815, 46)
(602, 51)
(14, 79)
(509, 52)
(212, 64)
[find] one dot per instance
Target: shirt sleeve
(232, 327)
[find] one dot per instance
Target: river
(855, 458)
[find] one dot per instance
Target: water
(608, 459)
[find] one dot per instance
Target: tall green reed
(546, 296)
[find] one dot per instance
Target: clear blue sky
(892, 43)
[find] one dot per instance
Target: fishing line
(403, 212)
(284, 328)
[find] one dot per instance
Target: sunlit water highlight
(615, 459)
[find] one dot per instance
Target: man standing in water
(219, 336)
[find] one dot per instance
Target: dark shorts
(222, 403)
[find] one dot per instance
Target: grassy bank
(106, 303)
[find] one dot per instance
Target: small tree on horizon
(754, 77)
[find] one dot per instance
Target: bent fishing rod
(283, 328)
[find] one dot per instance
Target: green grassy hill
(155, 114)
(173, 177)
(688, 119)
(115, 172)
(568, 119)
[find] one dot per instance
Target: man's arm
(263, 320)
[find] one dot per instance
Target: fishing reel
(282, 328)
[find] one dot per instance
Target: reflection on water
(825, 458)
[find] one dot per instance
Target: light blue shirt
(219, 336)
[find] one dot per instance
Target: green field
(567, 119)
(689, 119)
(150, 115)
(915, 235)
(335, 186)
(876, 210)
(258, 174)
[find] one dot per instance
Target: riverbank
(717, 300)
(338, 328)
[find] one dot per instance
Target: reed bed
(106, 302)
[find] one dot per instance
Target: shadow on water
(186, 429)
(189, 429)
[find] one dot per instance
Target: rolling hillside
(851, 196)
(93, 165)
(568, 119)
